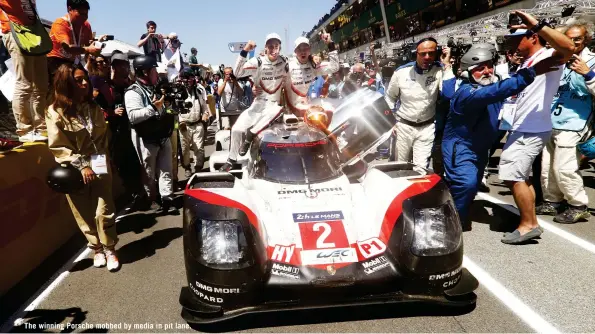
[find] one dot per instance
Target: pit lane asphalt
(553, 277)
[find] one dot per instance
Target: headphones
(413, 55)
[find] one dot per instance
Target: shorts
(519, 153)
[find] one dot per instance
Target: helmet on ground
(587, 148)
(474, 57)
(144, 63)
(65, 179)
(272, 36)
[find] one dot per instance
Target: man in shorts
(528, 119)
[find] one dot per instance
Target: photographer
(193, 124)
(151, 131)
(152, 42)
(232, 95)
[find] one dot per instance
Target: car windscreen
(298, 163)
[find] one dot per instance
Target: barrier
(34, 220)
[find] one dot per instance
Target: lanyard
(535, 57)
(77, 42)
(89, 127)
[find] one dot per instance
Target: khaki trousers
(94, 212)
(31, 87)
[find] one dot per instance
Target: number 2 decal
(323, 235)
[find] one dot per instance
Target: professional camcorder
(176, 94)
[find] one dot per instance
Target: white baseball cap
(301, 40)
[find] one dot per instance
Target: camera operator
(172, 57)
(193, 124)
(232, 95)
(151, 131)
(152, 42)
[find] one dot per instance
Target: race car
(307, 223)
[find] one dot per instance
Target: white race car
(306, 223)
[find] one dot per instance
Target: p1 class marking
(582, 243)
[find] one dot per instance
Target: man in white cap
(303, 70)
(268, 73)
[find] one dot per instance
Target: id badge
(99, 164)
(508, 113)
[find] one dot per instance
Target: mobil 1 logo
(284, 270)
(375, 264)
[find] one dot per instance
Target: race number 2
(371, 247)
(324, 234)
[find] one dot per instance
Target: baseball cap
(301, 40)
(520, 33)
(119, 56)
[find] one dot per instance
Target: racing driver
(268, 73)
(416, 86)
(303, 71)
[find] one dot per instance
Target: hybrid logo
(285, 271)
(305, 191)
(373, 266)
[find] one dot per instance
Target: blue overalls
(471, 128)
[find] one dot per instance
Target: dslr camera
(176, 94)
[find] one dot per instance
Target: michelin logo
(376, 264)
(285, 271)
(317, 216)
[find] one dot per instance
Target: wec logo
(333, 254)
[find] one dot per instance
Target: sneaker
(112, 260)
(99, 259)
(548, 208)
(573, 214)
(33, 136)
(245, 147)
(38, 136)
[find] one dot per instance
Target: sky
(208, 25)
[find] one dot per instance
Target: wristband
(244, 53)
(589, 76)
(542, 23)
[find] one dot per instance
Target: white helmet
(301, 40)
(272, 36)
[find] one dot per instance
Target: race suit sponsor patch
(284, 270)
(328, 256)
(376, 264)
(317, 216)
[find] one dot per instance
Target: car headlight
(223, 242)
(437, 231)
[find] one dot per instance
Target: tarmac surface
(545, 286)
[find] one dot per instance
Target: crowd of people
(101, 119)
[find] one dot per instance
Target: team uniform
(193, 134)
(414, 93)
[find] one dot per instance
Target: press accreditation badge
(507, 115)
(99, 164)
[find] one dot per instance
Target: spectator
(72, 37)
(152, 42)
(571, 115)
(193, 62)
(77, 135)
(31, 82)
(529, 120)
(232, 97)
(99, 74)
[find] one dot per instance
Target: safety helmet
(144, 63)
(587, 148)
(272, 36)
(187, 72)
(65, 179)
(301, 40)
(474, 57)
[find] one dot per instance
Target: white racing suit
(301, 76)
(571, 116)
(155, 155)
(415, 92)
(192, 130)
(268, 80)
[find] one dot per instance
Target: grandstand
(397, 23)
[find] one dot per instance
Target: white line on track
(530, 317)
(546, 225)
(17, 318)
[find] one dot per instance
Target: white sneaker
(27, 138)
(99, 260)
(112, 261)
(33, 136)
(37, 136)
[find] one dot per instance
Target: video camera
(176, 94)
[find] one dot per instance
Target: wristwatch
(542, 23)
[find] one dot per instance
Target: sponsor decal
(375, 265)
(430, 80)
(204, 296)
(371, 247)
(304, 191)
(283, 253)
(439, 277)
(294, 145)
(268, 73)
(267, 78)
(217, 290)
(452, 282)
(285, 271)
(328, 256)
(323, 235)
(317, 216)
